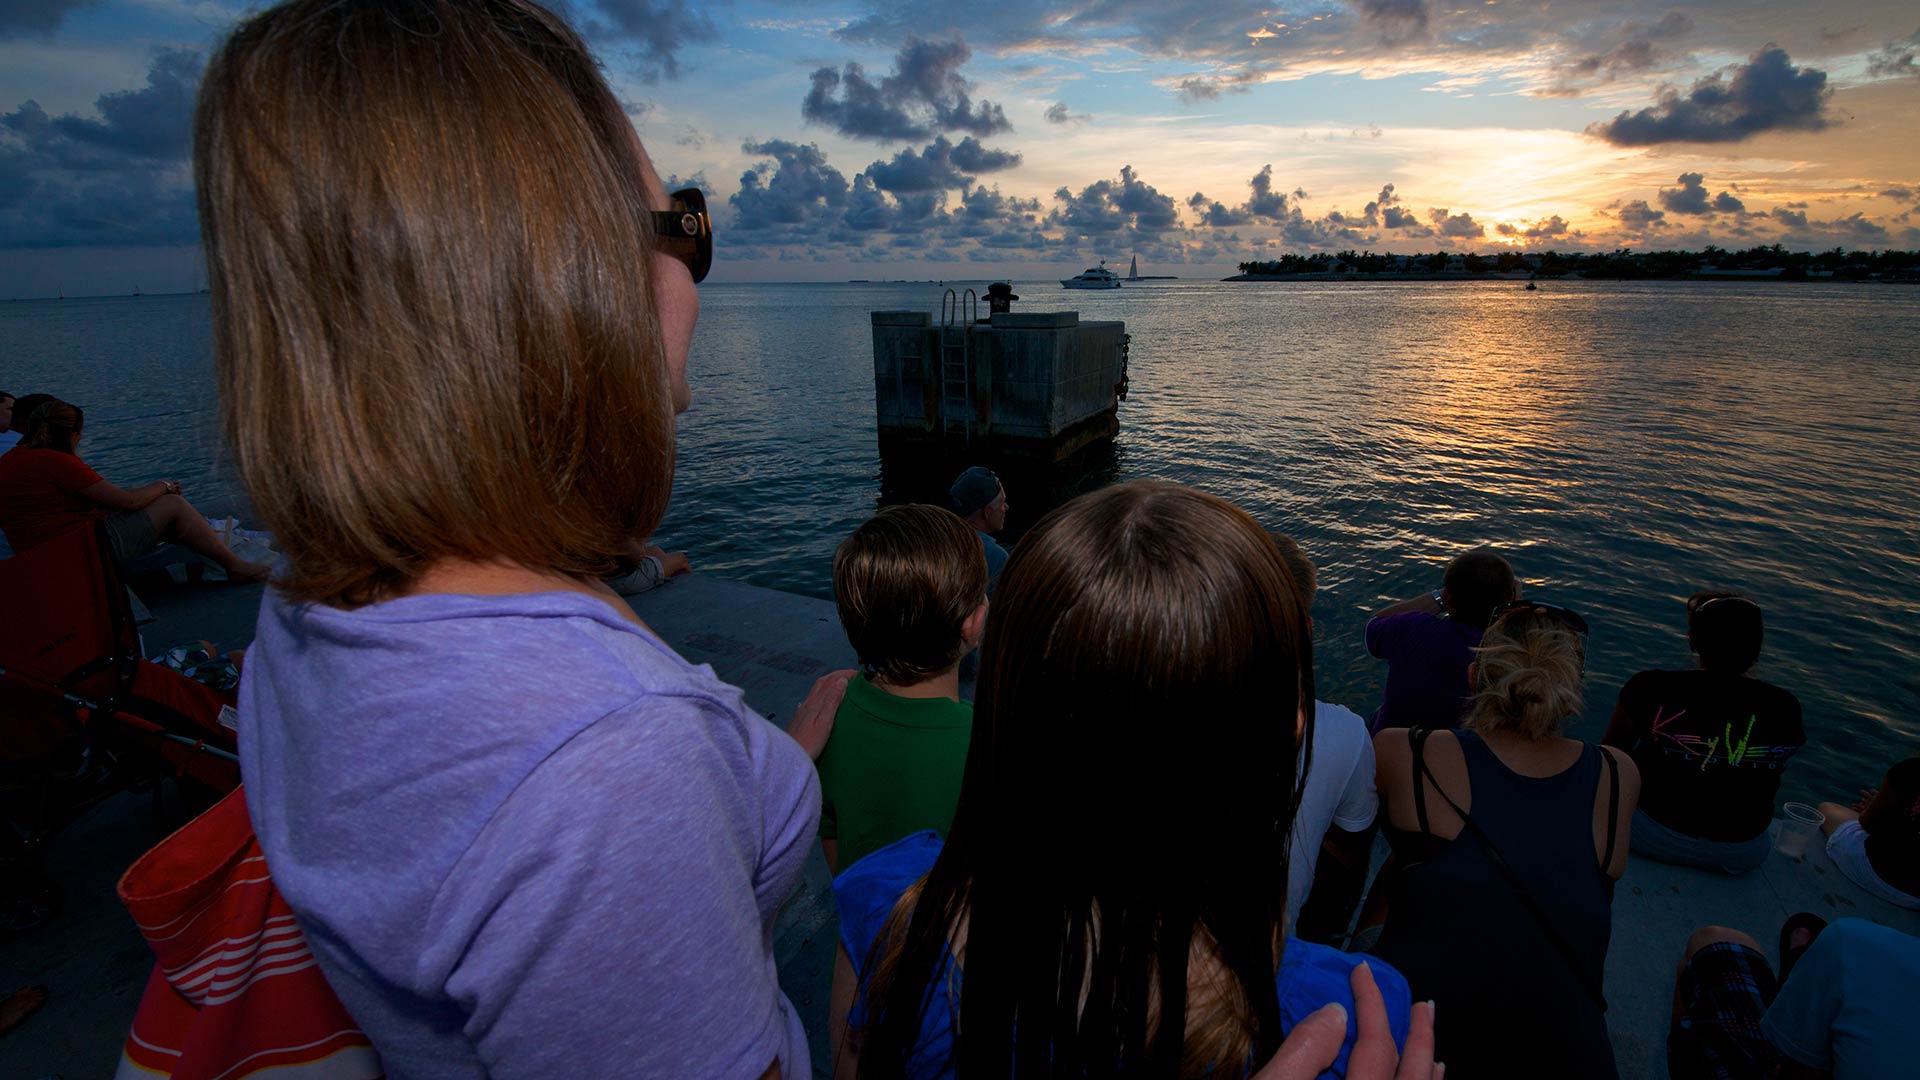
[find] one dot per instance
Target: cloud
(1691, 198)
(654, 30)
(1208, 87)
(1057, 113)
(1638, 217)
(1397, 20)
(120, 179)
(1637, 51)
(925, 94)
(1765, 94)
(1456, 226)
(1792, 219)
(1214, 214)
(1106, 208)
(795, 192)
(1555, 226)
(1898, 191)
(1895, 58)
(940, 166)
(19, 18)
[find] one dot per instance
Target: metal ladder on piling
(956, 362)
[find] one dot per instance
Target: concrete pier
(773, 645)
(1031, 383)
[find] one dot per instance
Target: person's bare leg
(179, 523)
(17, 1006)
(1700, 939)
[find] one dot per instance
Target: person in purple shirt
(1428, 642)
(452, 311)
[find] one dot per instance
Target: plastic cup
(1799, 824)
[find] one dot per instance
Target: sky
(844, 139)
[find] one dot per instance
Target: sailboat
(1133, 269)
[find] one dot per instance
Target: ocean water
(1624, 443)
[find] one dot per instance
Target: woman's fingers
(1416, 1062)
(1374, 1055)
(1310, 1047)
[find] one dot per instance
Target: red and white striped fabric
(236, 991)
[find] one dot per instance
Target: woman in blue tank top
(1508, 840)
(1110, 899)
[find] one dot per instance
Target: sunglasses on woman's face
(686, 232)
(1566, 615)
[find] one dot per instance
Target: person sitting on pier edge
(911, 586)
(524, 837)
(45, 489)
(1876, 842)
(1333, 827)
(1841, 1008)
(1711, 744)
(23, 407)
(1119, 856)
(1428, 642)
(8, 436)
(981, 501)
(1509, 839)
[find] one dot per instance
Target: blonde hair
(427, 234)
(1528, 669)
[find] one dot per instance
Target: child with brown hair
(911, 585)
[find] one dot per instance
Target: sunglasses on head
(1566, 615)
(686, 232)
(1699, 604)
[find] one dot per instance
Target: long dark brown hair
(1119, 856)
(428, 237)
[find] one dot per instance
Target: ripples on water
(1625, 444)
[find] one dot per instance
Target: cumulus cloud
(1638, 217)
(1107, 208)
(1691, 198)
(21, 17)
(940, 166)
(1551, 228)
(1058, 113)
(1895, 59)
(1767, 93)
(1215, 214)
(1792, 219)
(652, 31)
(798, 189)
(1455, 226)
(117, 179)
(924, 94)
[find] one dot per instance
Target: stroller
(82, 715)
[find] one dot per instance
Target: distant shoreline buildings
(1625, 264)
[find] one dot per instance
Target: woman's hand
(813, 720)
(1314, 1043)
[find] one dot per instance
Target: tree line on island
(1765, 261)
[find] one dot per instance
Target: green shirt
(892, 767)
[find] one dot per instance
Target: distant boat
(1531, 286)
(1094, 277)
(1133, 269)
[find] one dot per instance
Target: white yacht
(1094, 277)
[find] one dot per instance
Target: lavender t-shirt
(1427, 658)
(525, 838)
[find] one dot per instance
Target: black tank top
(1511, 1002)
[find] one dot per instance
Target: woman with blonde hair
(452, 310)
(1509, 838)
(1110, 899)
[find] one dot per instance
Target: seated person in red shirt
(45, 489)
(1711, 743)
